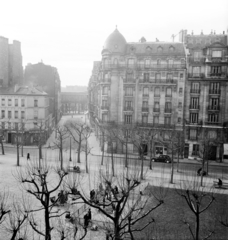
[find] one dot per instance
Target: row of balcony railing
(207, 59)
(211, 91)
(209, 108)
(209, 75)
(144, 66)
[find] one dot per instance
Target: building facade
(138, 83)
(11, 70)
(24, 110)
(47, 77)
(206, 88)
(74, 102)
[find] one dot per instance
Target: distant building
(74, 102)
(48, 78)
(206, 88)
(74, 89)
(11, 70)
(24, 109)
(138, 83)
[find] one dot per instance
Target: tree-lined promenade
(128, 199)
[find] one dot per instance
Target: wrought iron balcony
(128, 108)
(213, 108)
(104, 107)
(197, 91)
(145, 109)
(168, 110)
(156, 109)
(196, 75)
(194, 107)
(214, 91)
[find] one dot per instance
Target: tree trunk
(3, 152)
(201, 180)
(47, 225)
(86, 158)
(18, 157)
(79, 150)
(178, 160)
(126, 156)
(113, 172)
(172, 167)
(22, 144)
(142, 164)
(197, 224)
(102, 157)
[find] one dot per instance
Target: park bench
(224, 185)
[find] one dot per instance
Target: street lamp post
(70, 150)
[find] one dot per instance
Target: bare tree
(35, 180)
(2, 130)
(76, 130)
(198, 200)
(62, 136)
(4, 207)
(122, 204)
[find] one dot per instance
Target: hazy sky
(70, 34)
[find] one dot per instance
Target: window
(130, 62)
(16, 114)
(145, 104)
(197, 55)
(105, 117)
(145, 91)
(9, 114)
(168, 105)
(157, 92)
(3, 101)
(3, 125)
(216, 54)
(104, 103)
(212, 134)
(157, 77)
(35, 124)
(22, 102)
(127, 118)
(106, 75)
(35, 114)
(167, 120)
(128, 103)
(16, 102)
(145, 119)
(158, 62)
(192, 134)
(127, 133)
(22, 115)
(9, 125)
(181, 76)
(169, 76)
(180, 91)
(179, 120)
(214, 104)
(130, 76)
(147, 63)
(213, 118)
(16, 126)
(195, 88)
(214, 88)
(106, 63)
(3, 113)
(129, 91)
(146, 77)
(157, 107)
(170, 62)
(216, 71)
(194, 103)
(196, 71)
(194, 117)
(105, 90)
(168, 92)
(156, 119)
(9, 102)
(195, 150)
(35, 103)
(115, 62)
(159, 49)
(180, 105)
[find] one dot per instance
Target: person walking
(28, 156)
(89, 214)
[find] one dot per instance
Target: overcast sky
(70, 34)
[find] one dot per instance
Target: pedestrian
(89, 215)
(28, 156)
(86, 222)
(116, 190)
(219, 183)
(199, 171)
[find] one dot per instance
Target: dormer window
(115, 62)
(171, 49)
(160, 49)
(158, 61)
(148, 49)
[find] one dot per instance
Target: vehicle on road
(162, 158)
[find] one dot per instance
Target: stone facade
(139, 82)
(206, 103)
(47, 77)
(11, 70)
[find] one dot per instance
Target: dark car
(162, 158)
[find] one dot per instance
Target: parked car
(162, 158)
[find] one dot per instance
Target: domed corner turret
(115, 43)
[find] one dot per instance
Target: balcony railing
(168, 95)
(196, 60)
(213, 108)
(193, 138)
(156, 109)
(196, 75)
(214, 91)
(129, 95)
(197, 91)
(168, 110)
(104, 107)
(145, 109)
(128, 108)
(213, 123)
(145, 94)
(156, 95)
(194, 107)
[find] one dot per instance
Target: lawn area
(169, 218)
